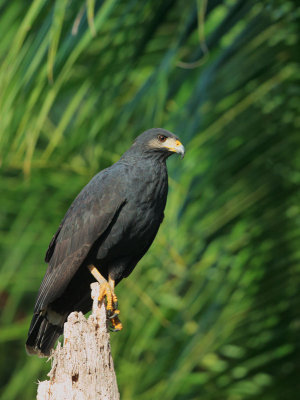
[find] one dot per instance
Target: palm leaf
(213, 310)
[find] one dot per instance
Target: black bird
(105, 232)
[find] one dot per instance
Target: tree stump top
(82, 369)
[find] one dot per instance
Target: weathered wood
(82, 369)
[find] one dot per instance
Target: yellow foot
(107, 290)
(116, 324)
(111, 305)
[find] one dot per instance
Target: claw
(116, 324)
(111, 306)
(107, 290)
(116, 313)
(110, 313)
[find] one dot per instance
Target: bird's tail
(45, 329)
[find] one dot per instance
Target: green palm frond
(213, 310)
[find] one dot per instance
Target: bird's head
(159, 143)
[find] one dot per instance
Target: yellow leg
(107, 290)
(96, 274)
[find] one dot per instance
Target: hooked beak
(179, 148)
(175, 146)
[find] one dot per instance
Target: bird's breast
(145, 207)
(140, 218)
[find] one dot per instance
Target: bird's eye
(162, 138)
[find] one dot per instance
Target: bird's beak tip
(177, 148)
(181, 151)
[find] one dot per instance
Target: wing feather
(90, 215)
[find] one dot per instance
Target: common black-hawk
(105, 232)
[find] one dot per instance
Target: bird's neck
(138, 153)
(149, 165)
(147, 183)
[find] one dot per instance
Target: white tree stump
(83, 368)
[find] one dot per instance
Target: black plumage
(111, 224)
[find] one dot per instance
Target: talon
(116, 324)
(116, 313)
(107, 290)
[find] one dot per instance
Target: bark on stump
(83, 368)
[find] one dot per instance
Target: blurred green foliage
(212, 311)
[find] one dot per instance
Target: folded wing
(93, 211)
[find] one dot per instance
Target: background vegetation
(212, 311)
